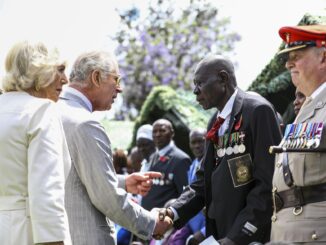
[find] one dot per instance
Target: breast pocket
(307, 169)
(241, 169)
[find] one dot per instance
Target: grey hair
(29, 65)
(202, 131)
(88, 62)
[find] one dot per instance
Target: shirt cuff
(175, 214)
(121, 181)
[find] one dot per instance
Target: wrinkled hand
(163, 212)
(197, 238)
(162, 225)
(226, 241)
(140, 183)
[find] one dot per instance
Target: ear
(95, 78)
(224, 75)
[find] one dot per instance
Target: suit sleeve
(181, 174)
(265, 132)
(191, 201)
(93, 162)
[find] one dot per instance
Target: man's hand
(163, 212)
(140, 183)
(161, 226)
(226, 241)
(196, 238)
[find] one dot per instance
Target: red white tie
(212, 134)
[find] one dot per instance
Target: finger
(140, 177)
(162, 214)
(152, 174)
(143, 193)
(157, 237)
(145, 185)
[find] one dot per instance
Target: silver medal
(220, 152)
(242, 148)
(229, 150)
(235, 149)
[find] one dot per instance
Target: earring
(37, 87)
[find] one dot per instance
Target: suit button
(278, 165)
(314, 237)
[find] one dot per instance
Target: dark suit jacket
(239, 209)
(174, 169)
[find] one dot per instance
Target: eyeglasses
(117, 78)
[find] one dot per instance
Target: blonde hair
(29, 66)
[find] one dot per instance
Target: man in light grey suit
(93, 190)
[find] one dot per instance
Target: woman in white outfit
(33, 152)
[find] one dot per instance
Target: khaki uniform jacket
(307, 169)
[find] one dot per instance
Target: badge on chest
(241, 170)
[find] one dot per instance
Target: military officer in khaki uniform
(299, 182)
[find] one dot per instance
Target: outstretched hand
(141, 183)
(163, 224)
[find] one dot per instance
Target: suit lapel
(309, 110)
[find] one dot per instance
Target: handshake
(164, 222)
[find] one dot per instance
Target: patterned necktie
(212, 133)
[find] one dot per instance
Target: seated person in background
(298, 102)
(145, 145)
(134, 160)
(120, 161)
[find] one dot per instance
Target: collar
(81, 96)
(227, 109)
(165, 149)
(318, 90)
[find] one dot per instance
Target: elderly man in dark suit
(171, 161)
(236, 181)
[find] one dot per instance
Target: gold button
(314, 236)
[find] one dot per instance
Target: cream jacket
(33, 156)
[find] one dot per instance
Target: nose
(118, 89)
(156, 134)
(295, 102)
(288, 65)
(64, 79)
(196, 90)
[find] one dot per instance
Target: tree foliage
(163, 47)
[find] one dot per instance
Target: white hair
(88, 62)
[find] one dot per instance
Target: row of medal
(302, 135)
(230, 144)
(163, 181)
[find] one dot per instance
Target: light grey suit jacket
(93, 190)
